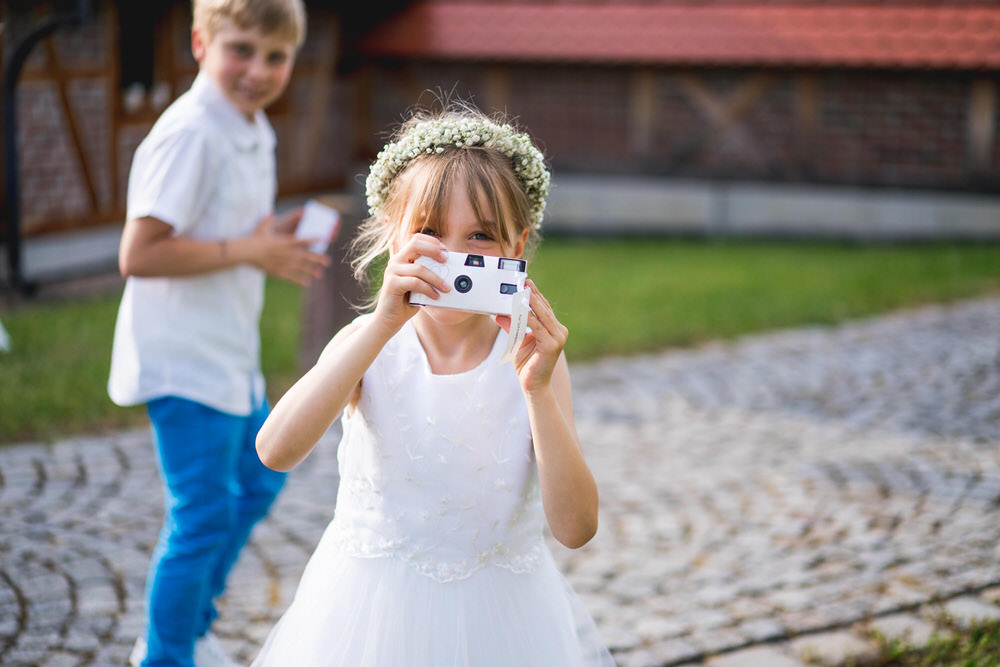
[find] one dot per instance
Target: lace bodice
(438, 470)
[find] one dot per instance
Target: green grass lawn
(630, 296)
(976, 646)
(54, 380)
(618, 297)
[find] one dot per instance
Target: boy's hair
(286, 18)
(421, 189)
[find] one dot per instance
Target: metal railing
(12, 183)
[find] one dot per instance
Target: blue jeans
(215, 489)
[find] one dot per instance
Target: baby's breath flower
(433, 136)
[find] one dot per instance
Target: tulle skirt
(380, 612)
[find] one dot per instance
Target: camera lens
(463, 284)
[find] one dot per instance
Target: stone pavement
(764, 502)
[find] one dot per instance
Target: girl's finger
(422, 245)
(541, 308)
(425, 274)
(549, 313)
(555, 333)
(404, 284)
(541, 331)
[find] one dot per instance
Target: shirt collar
(246, 136)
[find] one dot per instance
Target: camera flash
(508, 264)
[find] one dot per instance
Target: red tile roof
(947, 37)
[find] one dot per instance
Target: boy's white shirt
(209, 173)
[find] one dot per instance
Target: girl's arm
(306, 411)
(569, 493)
(149, 248)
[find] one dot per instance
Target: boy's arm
(149, 248)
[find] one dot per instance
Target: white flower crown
(433, 136)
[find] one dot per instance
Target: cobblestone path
(763, 502)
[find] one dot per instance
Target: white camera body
(479, 283)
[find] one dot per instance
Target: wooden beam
(318, 104)
(725, 110)
(119, 185)
(982, 124)
(642, 111)
(722, 113)
(497, 88)
(806, 118)
(364, 105)
(61, 85)
(37, 74)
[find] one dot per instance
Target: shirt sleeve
(172, 179)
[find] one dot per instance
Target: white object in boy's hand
(479, 283)
(319, 221)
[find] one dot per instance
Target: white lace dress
(435, 555)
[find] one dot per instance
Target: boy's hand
(282, 255)
(287, 223)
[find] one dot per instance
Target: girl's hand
(402, 276)
(535, 360)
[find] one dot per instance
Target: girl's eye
(428, 231)
(481, 236)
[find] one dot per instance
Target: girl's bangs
(432, 179)
(428, 195)
(481, 189)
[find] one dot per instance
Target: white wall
(592, 204)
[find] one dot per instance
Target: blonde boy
(199, 238)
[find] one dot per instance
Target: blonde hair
(420, 191)
(286, 18)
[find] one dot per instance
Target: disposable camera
(479, 283)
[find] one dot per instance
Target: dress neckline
(425, 363)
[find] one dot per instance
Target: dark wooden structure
(882, 94)
(83, 107)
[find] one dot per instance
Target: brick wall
(902, 129)
(580, 119)
(51, 185)
(52, 177)
(825, 3)
(882, 128)
(897, 129)
(312, 121)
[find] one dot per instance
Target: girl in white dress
(451, 462)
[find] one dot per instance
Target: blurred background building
(872, 121)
